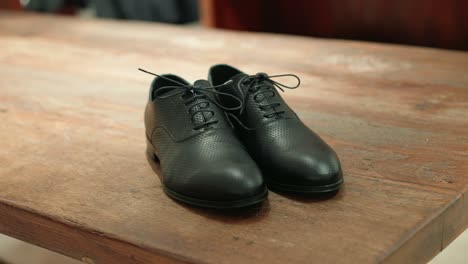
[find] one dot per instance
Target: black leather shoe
(292, 157)
(201, 161)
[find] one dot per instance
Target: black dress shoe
(201, 160)
(292, 157)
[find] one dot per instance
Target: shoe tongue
(238, 77)
(202, 84)
(235, 81)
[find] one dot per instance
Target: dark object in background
(44, 5)
(63, 6)
(174, 11)
(432, 23)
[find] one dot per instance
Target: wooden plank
(422, 240)
(81, 243)
(74, 179)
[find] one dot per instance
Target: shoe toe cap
(309, 169)
(228, 182)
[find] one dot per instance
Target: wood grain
(74, 178)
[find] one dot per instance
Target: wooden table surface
(74, 178)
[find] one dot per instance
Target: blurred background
(430, 23)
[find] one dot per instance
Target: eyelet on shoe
(245, 82)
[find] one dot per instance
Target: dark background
(432, 23)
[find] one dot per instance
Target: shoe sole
(155, 165)
(301, 189)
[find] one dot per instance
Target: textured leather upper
(286, 150)
(209, 163)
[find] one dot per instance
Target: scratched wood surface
(74, 178)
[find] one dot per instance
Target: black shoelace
(199, 95)
(261, 86)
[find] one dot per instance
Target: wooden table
(74, 178)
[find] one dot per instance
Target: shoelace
(261, 85)
(193, 93)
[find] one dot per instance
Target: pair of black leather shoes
(219, 143)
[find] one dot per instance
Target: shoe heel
(150, 152)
